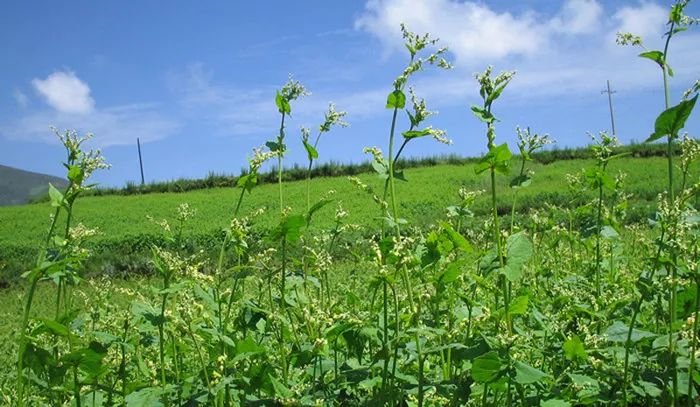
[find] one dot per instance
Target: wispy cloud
(21, 99)
(250, 111)
(572, 49)
(112, 126)
(72, 107)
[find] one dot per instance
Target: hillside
(19, 187)
(126, 232)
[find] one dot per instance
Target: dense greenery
(510, 293)
(126, 233)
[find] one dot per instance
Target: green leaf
(617, 332)
(483, 114)
(498, 159)
(280, 389)
(382, 168)
(676, 13)
(396, 100)
(518, 306)
(656, 56)
(310, 151)
(518, 252)
(75, 174)
(450, 274)
(497, 92)
(415, 133)
(574, 350)
(672, 120)
(457, 239)
(146, 397)
(521, 181)
(650, 389)
(399, 175)
(248, 181)
(318, 205)
(56, 197)
(289, 228)
(526, 374)
(54, 327)
(486, 368)
(248, 346)
(89, 359)
(283, 105)
(588, 386)
(555, 403)
(609, 233)
(276, 147)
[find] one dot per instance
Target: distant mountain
(19, 187)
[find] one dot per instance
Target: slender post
(138, 144)
(612, 115)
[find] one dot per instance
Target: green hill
(126, 231)
(19, 187)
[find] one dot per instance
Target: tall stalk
(280, 141)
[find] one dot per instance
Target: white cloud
(578, 17)
(74, 108)
(21, 99)
(472, 30)
(646, 19)
(65, 92)
(571, 49)
(113, 126)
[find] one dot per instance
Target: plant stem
(671, 195)
(691, 367)
(23, 341)
(598, 225)
(280, 151)
(392, 189)
(385, 345)
(499, 250)
(161, 328)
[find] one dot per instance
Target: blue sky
(195, 81)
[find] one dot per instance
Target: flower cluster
(333, 118)
(529, 142)
(259, 158)
(293, 89)
(185, 213)
(415, 44)
(626, 38)
(366, 188)
(488, 85)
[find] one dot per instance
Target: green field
(125, 228)
(499, 282)
(553, 286)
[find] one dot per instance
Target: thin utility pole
(138, 143)
(612, 115)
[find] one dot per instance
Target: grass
(125, 228)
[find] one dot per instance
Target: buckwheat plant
(668, 124)
(671, 121)
(60, 258)
(417, 46)
(528, 143)
(292, 90)
(497, 160)
(331, 118)
(599, 180)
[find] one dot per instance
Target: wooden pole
(612, 116)
(138, 143)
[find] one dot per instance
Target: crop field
(125, 230)
(503, 282)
